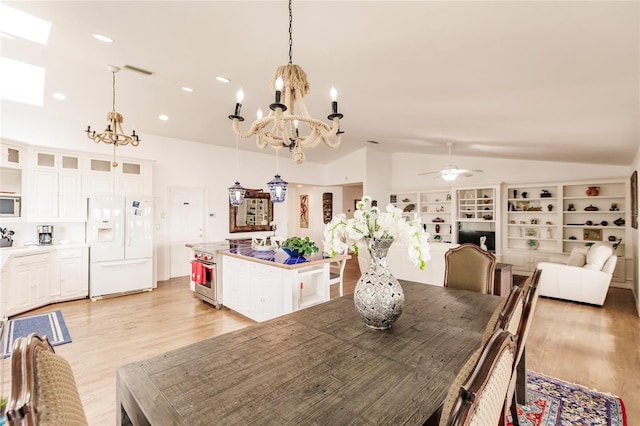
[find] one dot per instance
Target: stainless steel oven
(206, 275)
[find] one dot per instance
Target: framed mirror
(255, 213)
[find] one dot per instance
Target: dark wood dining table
(320, 365)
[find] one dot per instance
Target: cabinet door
(45, 185)
(98, 184)
(129, 185)
(71, 205)
(40, 284)
(519, 260)
(70, 277)
(11, 155)
(18, 298)
(270, 288)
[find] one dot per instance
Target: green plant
(305, 245)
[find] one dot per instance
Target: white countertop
(7, 252)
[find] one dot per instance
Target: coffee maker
(45, 235)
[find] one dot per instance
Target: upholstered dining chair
(468, 267)
(43, 389)
(480, 398)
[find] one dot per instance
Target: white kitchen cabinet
(28, 285)
(56, 187)
(11, 155)
(263, 291)
(72, 277)
(130, 177)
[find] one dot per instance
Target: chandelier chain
(114, 90)
(290, 34)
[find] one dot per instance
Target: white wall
(377, 183)
(315, 230)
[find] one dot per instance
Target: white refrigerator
(120, 237)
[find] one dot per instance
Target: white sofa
(402, 268)
(585, 277)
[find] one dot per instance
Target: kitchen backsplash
(63, 232)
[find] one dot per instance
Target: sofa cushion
(578, 256)
(598, 255)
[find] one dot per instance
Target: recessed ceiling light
(59, 96)
(163, 117)
(222, 79)
(102, 38)
(187, 89)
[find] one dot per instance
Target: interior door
(186, 225)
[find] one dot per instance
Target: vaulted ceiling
(517, 79)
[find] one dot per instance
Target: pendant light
(277, 186)
(237, 191)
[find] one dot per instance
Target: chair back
(43, 389)
(530, 302)
(481, 397)
(511, 314)
(338, 277)
(468, 267)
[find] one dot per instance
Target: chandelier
(281, 128)
(113, 134)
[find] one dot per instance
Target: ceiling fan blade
(429, 173)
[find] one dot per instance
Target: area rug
(50, 324)
(552, 401)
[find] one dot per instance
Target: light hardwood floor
(596, 347)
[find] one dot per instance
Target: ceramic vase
(378, 296)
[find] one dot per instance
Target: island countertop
(281, 259)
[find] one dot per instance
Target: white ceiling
(524, 79)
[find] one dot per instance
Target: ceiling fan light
(449, 175)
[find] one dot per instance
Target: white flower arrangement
(342, 234)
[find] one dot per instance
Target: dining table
(319, 365)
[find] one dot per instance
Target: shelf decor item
(592, 234)
(593, 191)
(591, 208)
(378, 296)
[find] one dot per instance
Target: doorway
(186, 225)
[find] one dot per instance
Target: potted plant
(296, 246)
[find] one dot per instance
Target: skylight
(20, 24)
(21, 82)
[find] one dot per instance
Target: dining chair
(480, 398)
(468, 267)
(338, 277)
(43, 389)
(530, 302)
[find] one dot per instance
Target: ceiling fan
(450, 172)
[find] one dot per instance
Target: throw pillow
(598, 255)
(578, 256)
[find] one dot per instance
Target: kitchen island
(267, 284)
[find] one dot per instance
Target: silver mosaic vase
(378, 296)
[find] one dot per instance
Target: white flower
(342, 234)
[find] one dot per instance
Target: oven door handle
(206, 265)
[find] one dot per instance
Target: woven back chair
(468, 267)
(43, 389)
(480, 400)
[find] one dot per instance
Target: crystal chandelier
(281, 127)
(113, 134)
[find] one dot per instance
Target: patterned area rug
(555, 402)
(50, 324)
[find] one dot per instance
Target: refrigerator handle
(128, 233)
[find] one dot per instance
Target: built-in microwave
(9, 206)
